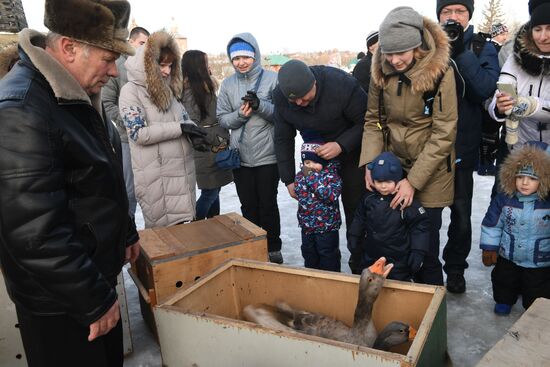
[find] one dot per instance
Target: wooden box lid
(197, 237)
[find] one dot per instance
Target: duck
(282, 317)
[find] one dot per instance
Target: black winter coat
(378, 230)
(64, 222)
(337, 113)
(361, 71)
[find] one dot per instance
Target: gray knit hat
(295, 79)
(401, 30)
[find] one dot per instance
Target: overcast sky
(280, 26)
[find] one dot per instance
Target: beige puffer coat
(162, 158)
(423, 144)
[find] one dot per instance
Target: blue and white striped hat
(241, 48)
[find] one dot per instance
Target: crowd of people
(87, 135)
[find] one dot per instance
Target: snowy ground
(472, 326)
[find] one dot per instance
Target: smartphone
(508, 88)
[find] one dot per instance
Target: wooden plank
(237, 224)
(526, 342)
(152, 246)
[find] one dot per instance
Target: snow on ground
(472, 326)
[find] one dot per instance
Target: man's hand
(105, 323)
(292, 191)
(329, 150)
(404, 194)
(368, 179)
(132, 252)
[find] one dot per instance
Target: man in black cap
(65, 230)
(332, 103)
(361, 71)
(477, 62)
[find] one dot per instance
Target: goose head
(372, 280)
(395, 333)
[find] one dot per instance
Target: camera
(453, 29)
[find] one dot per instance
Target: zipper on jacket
(440, 103)
(530, 90)
(399, 87)
(540, 87)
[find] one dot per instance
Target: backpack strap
(429, 96)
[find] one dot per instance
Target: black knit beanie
(539, 11)
(469, 4)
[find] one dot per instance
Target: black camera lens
(453, 29)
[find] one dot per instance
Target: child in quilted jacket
(318, 187)
(515, 233)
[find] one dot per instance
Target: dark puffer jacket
(378, 230)
(336, 112)
(64, 222)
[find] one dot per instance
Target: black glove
(197, 135)
(252, 98)
(415, 261)
(455, 31)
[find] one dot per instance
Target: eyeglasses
(459, 12)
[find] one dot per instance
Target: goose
(283, 317)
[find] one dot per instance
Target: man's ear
(68, 48)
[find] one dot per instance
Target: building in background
(12, 16)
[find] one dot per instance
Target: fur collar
(8, 56)
(160, 91)
(528, 55)
(425, 73)
(63, 84)
(526, 155)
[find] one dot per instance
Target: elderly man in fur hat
(65, 231)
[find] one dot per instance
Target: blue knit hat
(386, 167)
(241, 48)
(312, 141)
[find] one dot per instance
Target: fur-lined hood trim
(528, 55)
(65, 87)
(144, 69)
(8, 57)
(527, 155)
(425, 73)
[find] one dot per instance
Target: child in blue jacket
(318, 187)
(515, 233)
(400, 235)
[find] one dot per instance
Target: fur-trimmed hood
(527, 155)
(527, 54)
(144, 69)
(425, 73)
(8, 57)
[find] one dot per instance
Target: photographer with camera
(477, 61)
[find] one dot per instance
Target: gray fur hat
(100, 23)
(401, 30)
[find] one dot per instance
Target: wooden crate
(174, 257)
(207, 317)
(526, 342)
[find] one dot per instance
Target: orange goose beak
(380, 267)
(412, 333)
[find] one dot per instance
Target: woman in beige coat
(160, 133)
(412, 60)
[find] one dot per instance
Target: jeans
(129, 178)
(430, 272)
(321, 250)
(208, 204)
(459, 234)
(257, 191)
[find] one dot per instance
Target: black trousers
(459, 234)
(257, 191)
(321, 250)
(510, 280)
(430, 272)
(62, 342)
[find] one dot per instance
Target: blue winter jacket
(256, 147)
(519, 229)
(480, 74)
(318, 205)
(337, 113)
